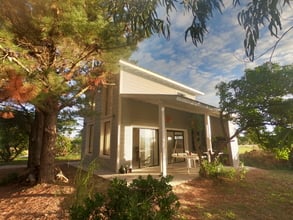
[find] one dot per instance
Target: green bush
(142, 199)
(216, 170)
(63, 145)
(14, 136)
(265, 160)
(92, 208)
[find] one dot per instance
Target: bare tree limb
(278, 41)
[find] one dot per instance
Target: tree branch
(13, 59)
(278, 41)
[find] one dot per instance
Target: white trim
(119, 127)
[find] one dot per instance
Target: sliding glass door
(145, 147)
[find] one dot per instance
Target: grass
(71, 157)
(264, 194)
(17, 161)
(22, 160)
(247, 148)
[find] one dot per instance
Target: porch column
(233, 146)
(207, 122)
(162, 141)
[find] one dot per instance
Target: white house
(144, 118)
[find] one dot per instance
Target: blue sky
(219, 58)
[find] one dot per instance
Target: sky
(221, 57)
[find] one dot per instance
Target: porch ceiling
(175, 102)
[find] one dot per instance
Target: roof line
(193, 91)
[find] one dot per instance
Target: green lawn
(22, 160)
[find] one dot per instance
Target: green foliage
(216, 170)
(14, 136)
(265, 160)
(259, 100)
(212, 169)
(142, 199)
(91, 209)
(63, 145)
(76, 145)
(58, 47)
(255, 15)
(84, 184)
(279, 141)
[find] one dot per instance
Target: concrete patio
(179, 172)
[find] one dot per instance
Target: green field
(247, 148)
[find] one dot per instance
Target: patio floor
(179, 172)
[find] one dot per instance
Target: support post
(207, 121)
(233, 146)
(163, 144)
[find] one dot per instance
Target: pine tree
(53, 52)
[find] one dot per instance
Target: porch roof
(176, 102)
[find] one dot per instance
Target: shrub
(85, 184)
(142, 199)
(216, 170)
(264, 159)
(63, 145)
(14, 138)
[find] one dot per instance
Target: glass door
(145, 147)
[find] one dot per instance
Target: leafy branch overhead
(147, 16)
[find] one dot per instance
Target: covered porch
(171, 116)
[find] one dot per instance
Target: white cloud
(220, 58)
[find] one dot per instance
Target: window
(175, 144)
(106, 137)
(108, 96)
(90, 138)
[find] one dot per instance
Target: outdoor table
(191, 159)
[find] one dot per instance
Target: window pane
(106, 141)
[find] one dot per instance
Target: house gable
(136, 80)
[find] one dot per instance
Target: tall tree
(57, 48)
(259, 102)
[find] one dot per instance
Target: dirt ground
(43, 201)
(48, 201)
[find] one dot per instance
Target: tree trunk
(47, 165)
(36, 139)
